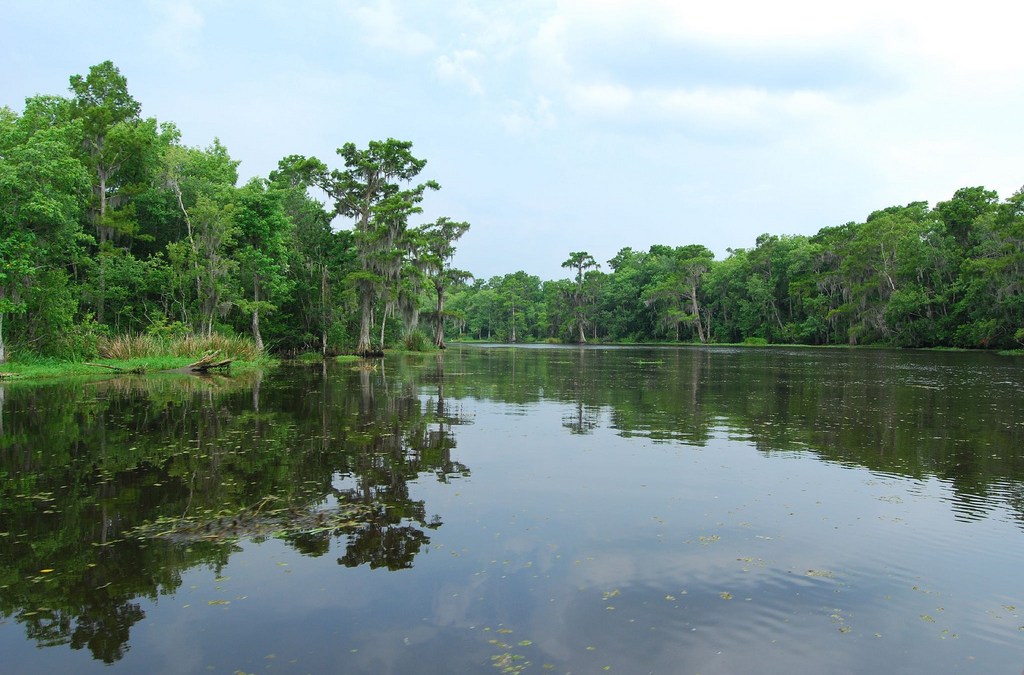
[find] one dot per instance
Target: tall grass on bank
(126, 347)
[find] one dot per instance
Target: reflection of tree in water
(853, 408)
(398, 438)
(583, 419)
(125, 453)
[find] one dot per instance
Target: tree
(960, 213)
(374, 190)
(680, 272)
(990, 312)
(517, 294)
(42, 190)
(580, 300)
(202, 182)
(263, 234)
(107, 110)
(320, 257)
(439, 244)
(621, 310)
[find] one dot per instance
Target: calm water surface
(497, 509)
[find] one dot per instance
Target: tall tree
(107, 110)
(202, 182)
(321, 255)
(375, 190)
(439, 244)
(42, 190)
(518, 295)
(581, 261)
(264, 232)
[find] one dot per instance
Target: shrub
(416, 341)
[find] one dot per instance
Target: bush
(416, 341)
(755, 342)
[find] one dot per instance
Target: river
(521, 509)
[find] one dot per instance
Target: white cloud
(781, 116)
(178, 31)
(382, 26)
(518, 119)
(459, 67)
(606, 99)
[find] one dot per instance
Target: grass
(140, 354)
(127, 347)
(43, 369)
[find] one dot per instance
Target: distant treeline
(110, 226)
(909, 276)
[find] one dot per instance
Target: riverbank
(43, 369)
(46, 369)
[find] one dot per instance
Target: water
(497, 509)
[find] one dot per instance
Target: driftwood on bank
(204, 365)
(208, 362)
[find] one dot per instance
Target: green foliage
(374, 191)
(416, 341)
(110, 226)
(908, 276)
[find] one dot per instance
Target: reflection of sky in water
(590, 550)
(639, 556)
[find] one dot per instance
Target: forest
(111, 226)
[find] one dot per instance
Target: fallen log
(208, 362)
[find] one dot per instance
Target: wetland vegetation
(110, 226)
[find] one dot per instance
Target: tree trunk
(366, 309)
(439, 331)
(256, 329)
(103, 172)
(256, 314)
(3, 345)
(513, 322)
(103, 288)
(323, 309)
(191, 238)
(696, 314)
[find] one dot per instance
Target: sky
(567, 125)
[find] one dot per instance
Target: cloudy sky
(556, 126)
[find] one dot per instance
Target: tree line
(110, 225)
(908, 276)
